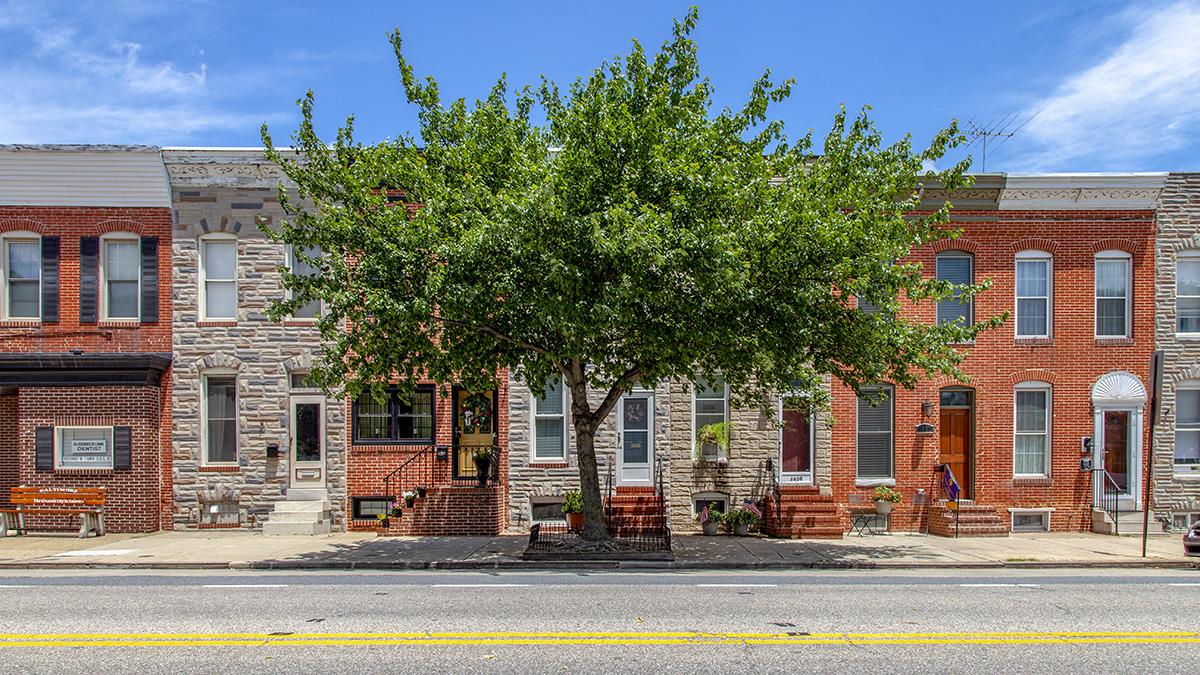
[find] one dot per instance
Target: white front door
(1119, 445)
(635, 431)
(307, 452)
(795, 442)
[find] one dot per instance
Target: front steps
(802, 513)
(305, 511)
(1130, 522)
(634, 511)
(974, 520)
(453, 511)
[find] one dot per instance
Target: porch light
(926, 408)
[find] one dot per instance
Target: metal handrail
(777, 494)
(403, 469)
(1110, 499)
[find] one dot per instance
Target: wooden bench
(87, 503)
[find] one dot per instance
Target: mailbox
(273, 451)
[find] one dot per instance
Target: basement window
(1030, 520)
(366, 508)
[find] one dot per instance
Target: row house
(85, 327)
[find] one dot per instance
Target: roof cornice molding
(1094, 191)
(246, 167)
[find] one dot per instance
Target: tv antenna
(980, 133)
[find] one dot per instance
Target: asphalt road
(947, 621)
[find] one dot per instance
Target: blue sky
(1116, 85)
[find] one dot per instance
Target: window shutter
(43, 448)
(89, 262)
(50, 279)
(122, 448)
(149, 279)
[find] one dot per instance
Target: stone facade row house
(137, 355)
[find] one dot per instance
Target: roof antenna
(980, 133)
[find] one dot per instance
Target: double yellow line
(421, 639)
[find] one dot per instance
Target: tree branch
(495, 333)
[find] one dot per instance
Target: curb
(626, 565)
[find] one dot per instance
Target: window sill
(1033, 341)
(299, 323)
(540, 464)
(118, 323)
(1188, 476)
(20, 323)
(383, 443)
(84, 472)
(220, 468)
(1187, 336)
(1113, 341)
(1018, 481)
(874, 482)
(212, 323)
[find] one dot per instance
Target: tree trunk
(589, 483)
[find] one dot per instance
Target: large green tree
(635, 236)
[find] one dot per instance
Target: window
(1187, 292)
(312, 309)
(120, 277)
(1034, 282)
(1031, 443)
(218, 277)
(866, 306)
(367, 508)
(550, 423)
(716, 501)
(220, 419)
(874, 443)
(1030, 520)
(84, 447)
(391, 420)
(709, 405)
(957, 267)
(1187, 429)
(1112, 294)
(543, 509)
(22, 277)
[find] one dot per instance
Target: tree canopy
(635, 236)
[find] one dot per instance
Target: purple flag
(949, 485)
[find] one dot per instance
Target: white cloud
(1142, 100)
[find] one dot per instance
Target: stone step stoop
(1130, 523)
(802, 513)
(305, 511)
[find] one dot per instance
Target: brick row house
(85, 328)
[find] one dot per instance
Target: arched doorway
(1118, 399)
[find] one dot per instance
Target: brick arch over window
(22, 225)
(218, 360)
(943, 381)
(1186, 374)
(1036, 374)
(207, 226)
(959, 244)
(118, 225)
(1035, 244)
(1191, 243)
(1114, 244)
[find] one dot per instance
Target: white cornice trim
(1094, 191)
(221, 167)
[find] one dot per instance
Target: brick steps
(974, 520)
(803, 513)
(453, 511)
(634, 511)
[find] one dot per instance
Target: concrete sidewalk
(356, 550)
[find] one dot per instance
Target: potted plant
(740, 520)
(885, 497)
(712, 443)
(422, 490)
(382, 523)
(572, 505)
(709, 519)
(397, 509)
(410, 498)
(483, 463)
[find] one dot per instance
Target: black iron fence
(439, 465)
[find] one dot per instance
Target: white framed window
(1113, 291)
(710, 404)
(312, 309)
(873, 444)
(1184, 521)
(1031, 429)
(1187, 292)
(218, 276)
(220, 417)
(22, 275)
(550, 422)
(83, 447)
(546, 509)
(957, 267)
(1034, 289)
(716, 501)
(120, 276)
(1030, 520)
(1187, 428)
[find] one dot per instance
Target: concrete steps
(802, 513)
(974, 520)
(305, 511)
(1129, 522)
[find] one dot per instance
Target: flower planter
(575, 521)
(421, 493)
(409, 501)
(741, 529)
(883, 507)
(484, 466)
(397, 512)
(710, 527)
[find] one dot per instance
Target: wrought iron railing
(776, 512)
(1109, 496)
(432, 466)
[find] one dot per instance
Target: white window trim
(1033, 256)
(969, 305)
(890, 401)
(542, 501)
(203, 294)
(695, 428)
(534, 415)
(1044, 512)
(219, 372)
(18, 236)
(803, 477)
(58, 456)
(1182, 469)
(1109, 256)
(711, 497)
(1192, 257)
(121, 238)
(1035, 385)
(291, 262)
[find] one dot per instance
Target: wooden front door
(956, 447)
(474, 428)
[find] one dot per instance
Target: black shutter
(50, 279)
(89, 262)
(122, 448)
(149, 279)
(43, 448)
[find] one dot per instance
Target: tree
(633, 237)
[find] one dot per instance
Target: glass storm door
(796, 443)
(636, 433)
(308, 442)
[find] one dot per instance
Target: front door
(636, 433)
(474, 427)
(308, 442)
(796, 442)
(955, 424)
(1119, 441)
